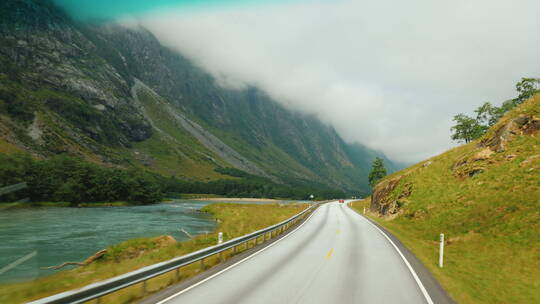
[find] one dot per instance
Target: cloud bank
(388, 74)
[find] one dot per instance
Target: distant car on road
(342, 201)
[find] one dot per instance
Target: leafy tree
(487, 115)
(526, 88)
(378, 171)
(466, 128)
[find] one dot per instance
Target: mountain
(485, 197)
(115, 96)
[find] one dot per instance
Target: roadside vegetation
(233, 220)
(484, 196)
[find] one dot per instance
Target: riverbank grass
(233, 220)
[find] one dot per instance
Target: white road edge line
(235, 264)
(415, 276)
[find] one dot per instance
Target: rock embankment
(388, 196)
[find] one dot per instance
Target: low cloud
(388, 74)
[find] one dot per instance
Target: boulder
(483, 154)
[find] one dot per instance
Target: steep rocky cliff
(116, 96)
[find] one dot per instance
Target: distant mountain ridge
(116, 96)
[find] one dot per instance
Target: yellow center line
(329, 253)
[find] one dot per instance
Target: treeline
(251, 186)
(470, 128)
(69, 179)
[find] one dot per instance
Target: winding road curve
(336, 256)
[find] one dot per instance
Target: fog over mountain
(391, 83)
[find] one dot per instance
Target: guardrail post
(144, 288)
(234, 249)
(177, 274)
(98, 300)
(221, 256)
(441, 251)
(202, 264)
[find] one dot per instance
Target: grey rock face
(49, 51)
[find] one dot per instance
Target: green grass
(8, 148)
(491, 221)
(234, 220)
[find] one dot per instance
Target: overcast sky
(388, 74)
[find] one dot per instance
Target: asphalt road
(336, 256)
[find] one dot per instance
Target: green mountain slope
(485, 197)
(116, 96)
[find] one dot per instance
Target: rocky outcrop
(385, 201)
(476, 162)
(522, 124)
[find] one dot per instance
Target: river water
(39, 237)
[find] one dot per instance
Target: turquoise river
(32, 238)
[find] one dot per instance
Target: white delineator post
(441, 251)
(364, 210)
(220, 238)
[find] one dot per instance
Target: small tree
(378, 171)
(487, 114)
(466, 128)
(526, 88)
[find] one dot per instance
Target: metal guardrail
(99, 289)
(13, 188)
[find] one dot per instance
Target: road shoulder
(435, 290)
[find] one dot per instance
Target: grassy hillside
(485, 197)
(171, 150)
